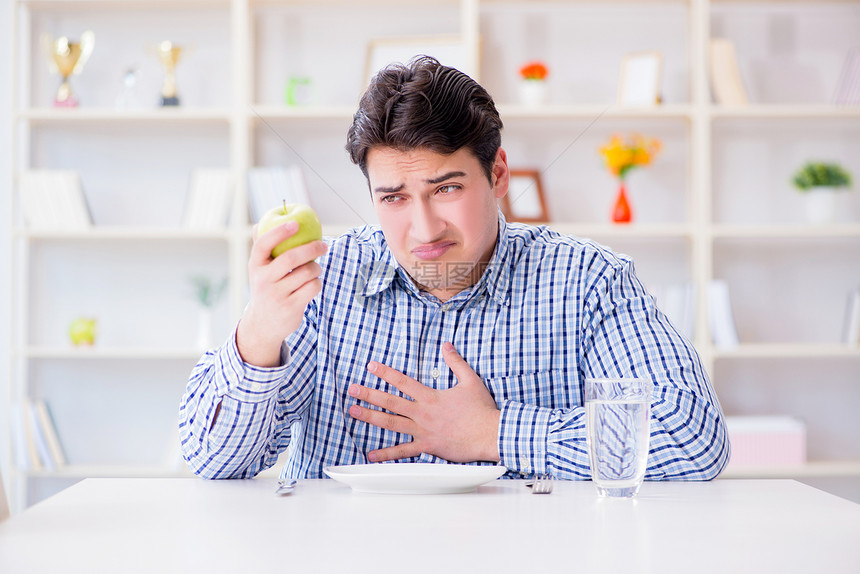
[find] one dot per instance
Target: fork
(542, 484)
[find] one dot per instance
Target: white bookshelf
(702, 211)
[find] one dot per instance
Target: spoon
(285, 486)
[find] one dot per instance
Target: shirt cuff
(245, 382)
(523, 433)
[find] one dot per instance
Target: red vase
(621, 212)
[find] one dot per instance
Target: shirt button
(435, 373)
(525, 463)
(446, 307)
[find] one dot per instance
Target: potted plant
(207, 291)
(533, 83)
(818, 181)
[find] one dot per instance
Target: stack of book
(209, 197)
(53, 200)
(851, 333)
(37, 446)
(269, 187)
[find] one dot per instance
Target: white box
(766, 441)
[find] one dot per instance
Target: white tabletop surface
(192, 525)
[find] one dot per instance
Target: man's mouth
(432, 250)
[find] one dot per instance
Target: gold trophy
(168, 54)
(67, 58)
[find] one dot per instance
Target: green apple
(82, 331)
(310, 228)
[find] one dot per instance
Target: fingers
(405, 450)
(261, 252)
(458, 364)
(382, 419)
(404, 384)
(264, 243)
(381, 399)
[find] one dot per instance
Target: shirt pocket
(544, 389)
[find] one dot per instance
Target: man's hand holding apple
(283, 278)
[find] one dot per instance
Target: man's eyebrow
(448, 175)
(388, 189)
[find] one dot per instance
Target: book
(720, 317)
(39, 438)
(210, 193)
(268, 187)
(54, 200)
(18, 428)
(726, 82)
(35, 461)
(46, 424)
(851, 332)
(678, 302)
(848, 88)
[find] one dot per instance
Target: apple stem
(285, 205)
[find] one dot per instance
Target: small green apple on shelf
(82, 331)
(310, 228)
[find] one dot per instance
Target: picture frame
(450, 50)
(525, 201)
(641, 75)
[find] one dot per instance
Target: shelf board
(512, 111)
(148, 5)
(81, 471)
(100, 352)
(43, 116)
(789, 351)
(787, 231)
(785, 111)
(664, 230)
(810, 469)
(274, 112)
(124, 232)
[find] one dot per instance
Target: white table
(192, 525)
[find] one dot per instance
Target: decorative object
(207, 292)
(621, 156)
(168, 54)
(818, 182)
(533, 86)
(298, 92)
(639, 84)
(450, 50)
(127, 98)
(66, 58)
(848, 90)
(525, 201)
(82, 331)
(727, 85)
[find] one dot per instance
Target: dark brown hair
(425, 105)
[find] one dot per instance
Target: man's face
(438, 212)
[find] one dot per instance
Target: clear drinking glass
(617, 421)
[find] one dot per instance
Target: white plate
(414, 478)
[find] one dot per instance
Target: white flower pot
(204, 328)
(533, 93)
(820, 205)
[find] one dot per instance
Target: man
(446, 334)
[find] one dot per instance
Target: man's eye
(445, 189)
(390, 199)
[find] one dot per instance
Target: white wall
(5, 248)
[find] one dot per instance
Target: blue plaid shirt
(549, 311)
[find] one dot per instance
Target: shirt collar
(378, 275)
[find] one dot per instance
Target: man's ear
(501, 176)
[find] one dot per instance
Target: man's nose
(427, 225)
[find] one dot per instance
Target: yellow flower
(621, 156)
